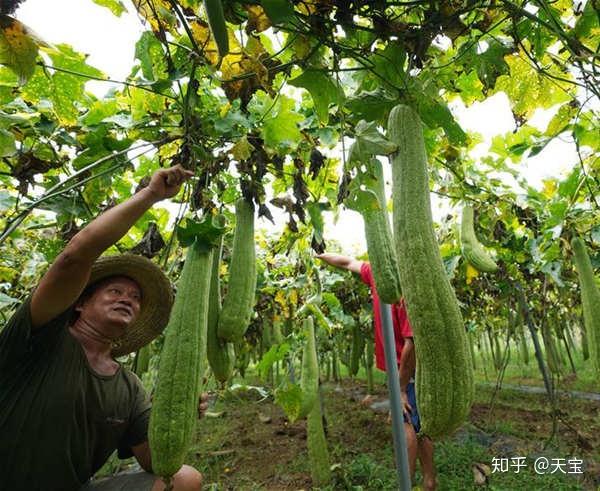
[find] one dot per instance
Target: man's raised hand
(165, 183)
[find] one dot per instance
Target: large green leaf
(100, 110)
(149, 51)
(323, 89)
(369, 142)
(388, 65)
(280, 122)
(371, 105)
(488, 61)
(63, 89)
(207, 232)
(279, 11)
(275, 353)
(436, 114)
(7, 143)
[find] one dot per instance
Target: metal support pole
(400, 449)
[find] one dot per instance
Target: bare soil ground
(248, 443)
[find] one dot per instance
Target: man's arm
(339, 261)
(65, 280)
(407, 369)
(141, 453)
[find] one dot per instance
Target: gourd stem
(400, 449)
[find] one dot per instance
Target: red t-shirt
(402, 327)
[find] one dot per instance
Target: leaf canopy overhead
(267, 120)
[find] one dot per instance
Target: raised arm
(340, 261)
(65, 280)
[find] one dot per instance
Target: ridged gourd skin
(309, 382)
(472, 250)
(182, 362)
(238, 304)
(220, 354)
(551, 352)
(471, 337)
(380, 245)
(142, 360)
(444, 374)
(590, 299)
(523, 344)
(318, 453)
(358, 348)
(218, 28)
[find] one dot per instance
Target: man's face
(113, 306)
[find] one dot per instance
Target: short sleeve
(18, 338)
(15, 334)
(365, 273)
(137, 430)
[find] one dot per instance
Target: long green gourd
(238, 304)
(357, 349)
(318, 454)
(444, 374)
(590, 299)
(218, 27)
(142, 360)
(472, 249)
(380, 243)
(220, 354)
(175, 402)
(309, 382)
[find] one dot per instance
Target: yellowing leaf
(206, 43)
(242, 149)
(61, 88)
(243, 71)
(307, 7)
(280, 298)
(301, 46)
(18, 48)
(294, 297)
(561, 119)
(168, 150)
(549, 188)
(529, 90)
(224, 110)
(472, 273)
(257, 19)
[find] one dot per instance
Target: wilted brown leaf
(257, 19)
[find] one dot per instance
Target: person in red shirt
(405, 358)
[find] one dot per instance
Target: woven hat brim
(157, 298)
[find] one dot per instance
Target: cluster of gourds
(199, 325)
(406, 262)
(444, 372)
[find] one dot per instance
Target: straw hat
(157, 298)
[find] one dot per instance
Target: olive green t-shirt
(60, 420)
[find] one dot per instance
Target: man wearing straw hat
(65, 403)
